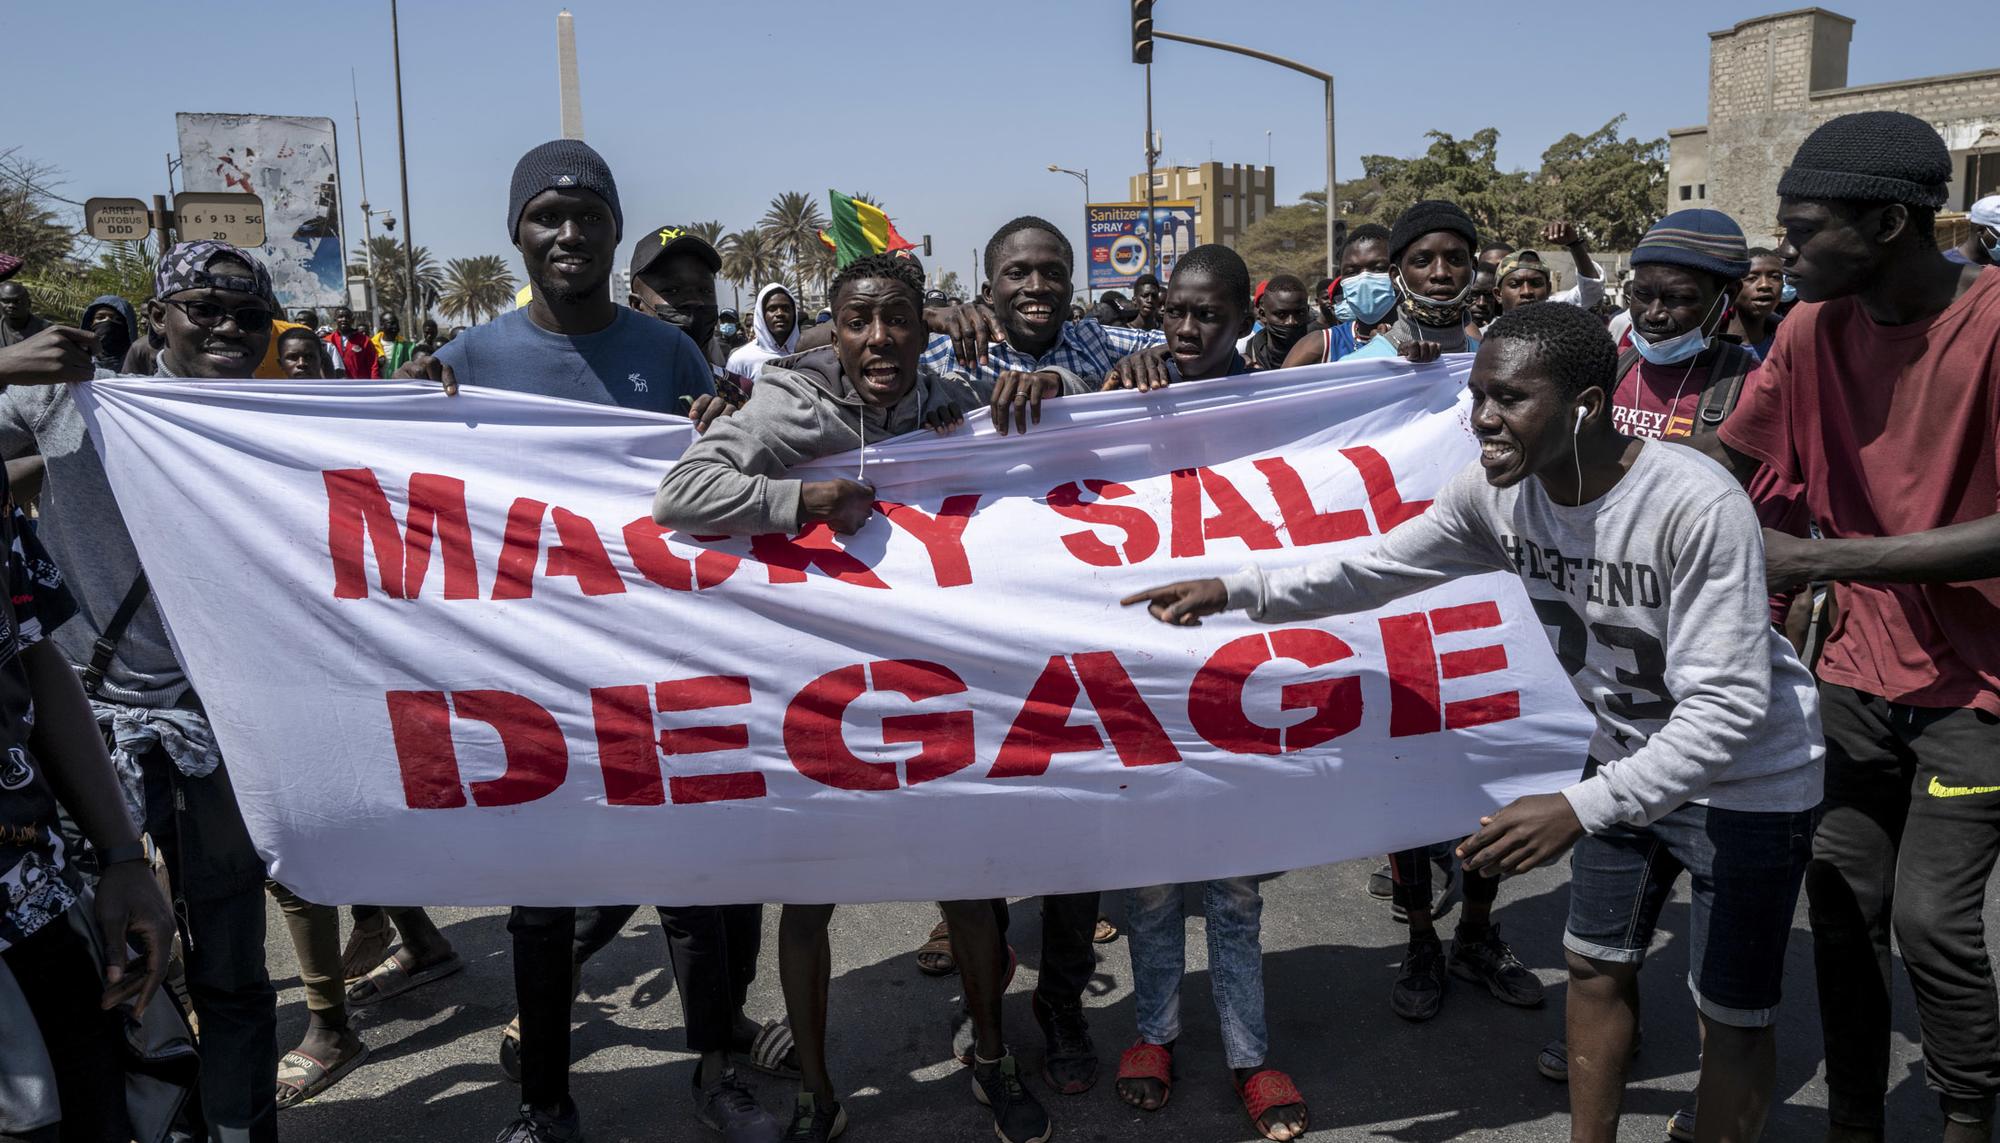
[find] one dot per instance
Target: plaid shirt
(1085, 348)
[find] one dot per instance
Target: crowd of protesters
(1798, 442)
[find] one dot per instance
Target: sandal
(1266, 1090)
(301, 1077)
(390, 979)
(1143, 1061)
(934, 956)
(366, 946)
(510, 1050)
(772, 1052)
(1105, 933)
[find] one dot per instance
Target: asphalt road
(1330, 954)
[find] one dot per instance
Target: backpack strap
(106, 647)
(1628, 359)
(1726, 373)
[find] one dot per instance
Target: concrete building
(1772, 79)
(1231, 197)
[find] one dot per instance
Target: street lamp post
(1090, 296)
(412, 305)
(1332, 195)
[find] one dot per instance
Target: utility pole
(361, 154)
(1332, 193)
(1152, 226)
(410, 301)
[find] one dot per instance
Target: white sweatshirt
(1653, 595)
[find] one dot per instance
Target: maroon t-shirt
(1893, 430)
(1656, 402)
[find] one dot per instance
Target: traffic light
(1142, 31)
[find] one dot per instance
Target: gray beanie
(561, 164)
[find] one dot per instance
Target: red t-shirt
(1659, 402)
(1893, 430)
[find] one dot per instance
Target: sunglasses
(208, 315)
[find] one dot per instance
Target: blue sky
(947, 111)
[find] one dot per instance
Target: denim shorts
(1744, 869)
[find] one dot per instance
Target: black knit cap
(1427, 217)
(561, 164)
(1871, 156)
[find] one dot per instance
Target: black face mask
(697, 321)
(113, 341)
(1283, 340)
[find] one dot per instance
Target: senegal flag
(859, 230)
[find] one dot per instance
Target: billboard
(1119, 238)
(292, 164)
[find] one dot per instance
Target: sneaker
(1382, 883)
(814, 1124)
(1069, 1064)
(727, 1108)
(1419, 991)
(1486, 959)
(542, 1125)
(1681, 1126)
(1017, 1117)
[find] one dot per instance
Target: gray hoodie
(731, 481)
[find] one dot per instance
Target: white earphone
(1575, 455)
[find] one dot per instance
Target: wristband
(111, 855)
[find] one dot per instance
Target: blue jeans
(1744, 870)
(1153, 925)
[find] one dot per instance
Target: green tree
(751, 258)
(794, 222)
(948, 285)
(476, 287)
(1503, 204)
(391, 285)
(1615, 189)
(61, 289)
(710, 231)
(30, 226)
(1288, 240)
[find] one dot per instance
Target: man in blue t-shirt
(571, 340)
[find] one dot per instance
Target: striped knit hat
(1699, 239)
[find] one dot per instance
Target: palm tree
(710, 231)
(386, 254)
(478, 286)
(795, 221)
(751, 257)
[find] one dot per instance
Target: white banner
(451, 660)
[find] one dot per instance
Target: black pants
(85, 1044)
(218, 874)
(1908, 836)
(1410, 870)
(1069, 957)
(714, 953)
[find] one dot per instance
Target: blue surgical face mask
(1366, 298)
(1678, 348)
(1787, 293)
(728, 328)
